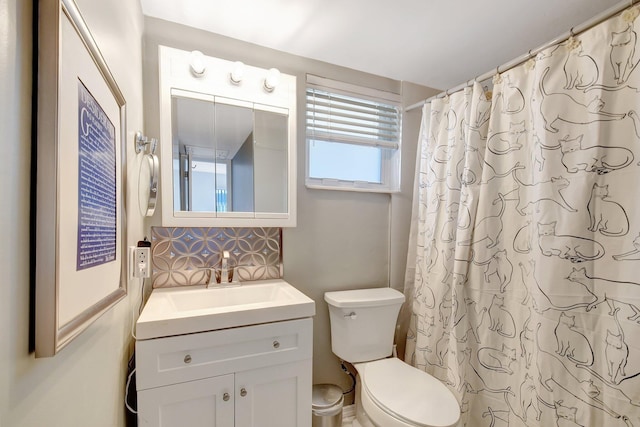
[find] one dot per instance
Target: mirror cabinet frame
(176, 76)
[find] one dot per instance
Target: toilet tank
(363, 322)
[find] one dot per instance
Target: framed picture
(79, 211)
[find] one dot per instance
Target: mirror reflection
(228, 156)
(270, 161)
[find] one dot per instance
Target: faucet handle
(212, 275)
(224, 262)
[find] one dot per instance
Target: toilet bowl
(389, 392)
(395, 394)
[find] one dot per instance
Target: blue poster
(96, 183)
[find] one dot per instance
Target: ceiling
(436, 43)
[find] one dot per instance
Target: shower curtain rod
(603, 16)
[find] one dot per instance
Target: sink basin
(179, 310)
(227, 297)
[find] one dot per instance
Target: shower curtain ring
(497, 78)
(446, 96)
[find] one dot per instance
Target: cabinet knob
(276, 344)
(243, 392)
(226, 397)
(187, 358)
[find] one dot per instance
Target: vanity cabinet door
(275, 396)
(208, 402)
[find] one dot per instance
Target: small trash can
(326, 403)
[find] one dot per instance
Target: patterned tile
(181, 255)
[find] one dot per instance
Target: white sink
(180, 310)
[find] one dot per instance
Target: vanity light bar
(198, 69)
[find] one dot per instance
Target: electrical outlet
(141, 261)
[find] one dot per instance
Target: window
(353, 137)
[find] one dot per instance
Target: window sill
(336, 185)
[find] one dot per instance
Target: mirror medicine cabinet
(227, 133)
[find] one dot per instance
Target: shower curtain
(525, 290)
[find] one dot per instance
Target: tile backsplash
(181, 255)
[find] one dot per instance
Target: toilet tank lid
(372, 297)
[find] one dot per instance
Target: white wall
(84, 384)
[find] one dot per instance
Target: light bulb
(237, 72)
(272, 80)
(198, 66)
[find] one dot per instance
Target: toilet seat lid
(410, 394)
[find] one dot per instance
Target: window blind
(336, 117)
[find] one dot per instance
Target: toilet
(389, 393)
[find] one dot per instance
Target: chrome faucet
(224, 276)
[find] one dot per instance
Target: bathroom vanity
(240, 362)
